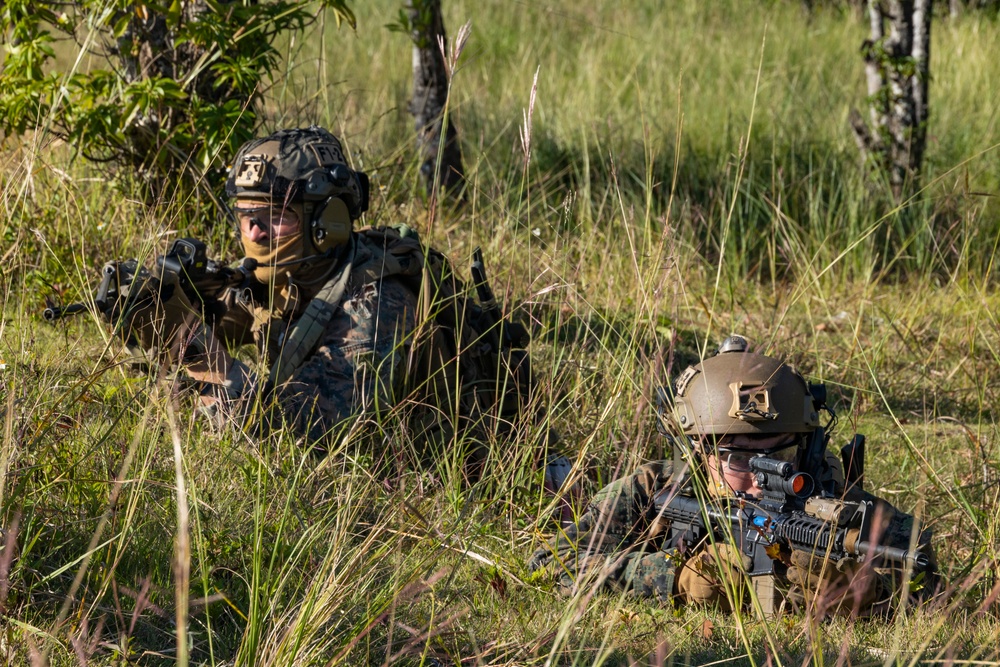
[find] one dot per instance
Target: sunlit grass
(644, 228)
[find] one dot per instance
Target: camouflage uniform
(618, 544)
(359, 361)
(346, 321)
(731, 408)
(617, 539)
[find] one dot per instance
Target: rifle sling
(367, 260)
(303, 336)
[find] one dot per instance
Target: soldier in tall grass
(348, 322)
(729, 411)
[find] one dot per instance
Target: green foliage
(401, 24)
(416, 20)
(162, 91)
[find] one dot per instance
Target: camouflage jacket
(359, 360)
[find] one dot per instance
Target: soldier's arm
(619, 518)
(232, 327)
(234, 323)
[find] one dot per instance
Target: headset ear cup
(331, 225)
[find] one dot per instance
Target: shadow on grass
(791, 203)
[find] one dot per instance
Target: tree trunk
(147, 50)
(896, 67)
(440, 163)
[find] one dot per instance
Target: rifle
(127, 285)
(787, 516)
(512, 335)
(116, 277)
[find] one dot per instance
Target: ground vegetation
(643, 181)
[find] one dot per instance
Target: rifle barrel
(58, 312)
(918, 559)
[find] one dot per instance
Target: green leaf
(121, 25)
(401, 24)
(341, 12)
(221, 55)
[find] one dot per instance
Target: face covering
(272, 252)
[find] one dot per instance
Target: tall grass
(652, 218)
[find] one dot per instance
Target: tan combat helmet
(305, 166)
(741, 392)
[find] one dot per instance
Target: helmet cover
(298, 165)
(741, 392)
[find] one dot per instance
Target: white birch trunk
(897, 73)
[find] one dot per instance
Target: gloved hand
(705, 575)
(154, 316)
(844, 586)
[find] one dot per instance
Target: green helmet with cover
(742, 392)
(307, 167)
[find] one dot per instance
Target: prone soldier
(752, 510)
(347, 321)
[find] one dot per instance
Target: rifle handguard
(822, 526)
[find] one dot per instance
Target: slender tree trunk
(920, 78)
(440, 163)
(896, 67)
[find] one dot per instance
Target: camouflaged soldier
(726, 411)
(348, 322)
(326, 306)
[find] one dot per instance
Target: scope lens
(798, 484)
